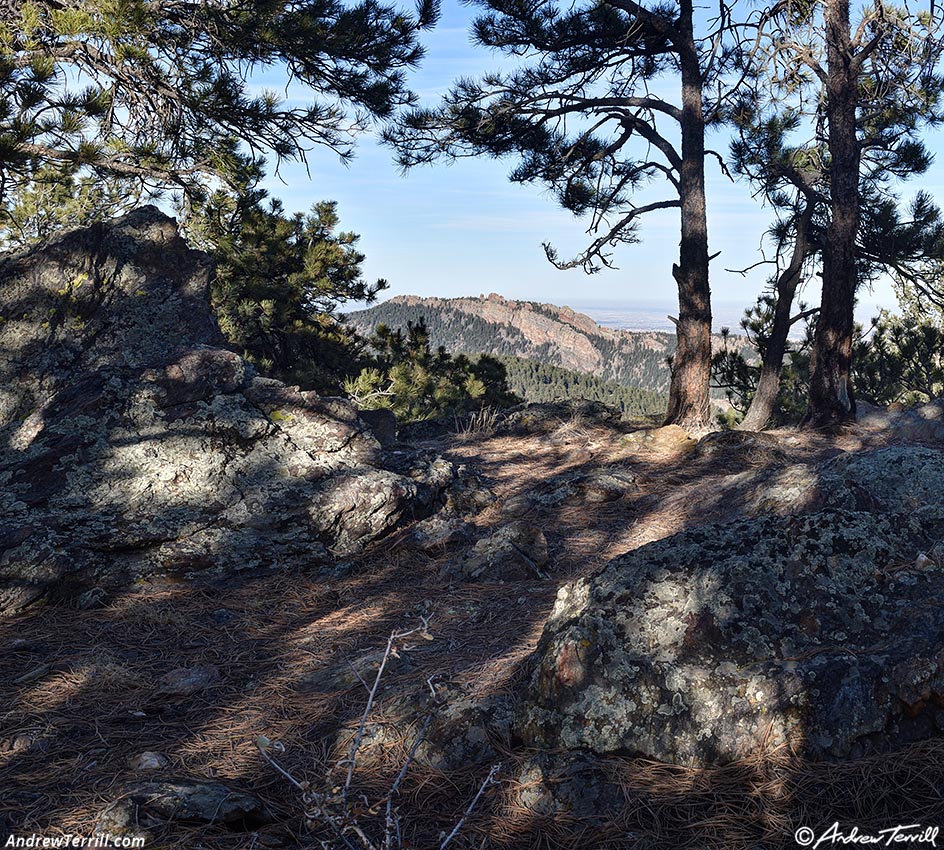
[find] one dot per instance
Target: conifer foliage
(57, 199)
(581, 114)
(815, 87)
(901, 359)
(159, 90)
(279, 282)
(415, 382)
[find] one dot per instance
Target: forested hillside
(541, 382)
(545, 333)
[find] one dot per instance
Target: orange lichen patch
(569, 667)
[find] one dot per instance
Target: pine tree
(813, 75)
(744, 380)
(279, 284)
(57, 199)
(901, 359)
(158, 91)
(415, 382)
(581, 116)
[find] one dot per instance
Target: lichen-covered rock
(897, 479)
(923, 423)
(383, 425)
(816, 630)
(892, 479)
(133, 444)
(464, 731)
(439, 532)
(150, 804)
(148, 761)
(574, 785)
(786, 490)
(468, 494)
(459, 486)
(514, 552)
(668, 438)
(124, 295)
(187, 681)
(606, 484)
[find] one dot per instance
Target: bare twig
(263, 746)
(488, 781)
(358, 675)
(393, 822)
(333, 808)
(355, 746)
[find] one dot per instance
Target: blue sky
(463, 229)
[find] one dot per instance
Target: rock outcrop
(892, 479)
(153, 804)
(821, 629)
(133, 443)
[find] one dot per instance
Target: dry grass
(478, 426)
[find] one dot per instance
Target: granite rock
(132, 443)
(818, 630)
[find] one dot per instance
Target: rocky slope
(812, 631)
(639, 636)
(132, 443)
(546, 333)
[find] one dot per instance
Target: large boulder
(895, 479)
(132, 443)
(824, 631)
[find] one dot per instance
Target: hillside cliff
(558, 336)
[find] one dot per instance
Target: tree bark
(689, 404)
(831, 397)
(768, 383)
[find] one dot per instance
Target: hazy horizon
(638, 315)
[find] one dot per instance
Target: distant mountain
(556, 336)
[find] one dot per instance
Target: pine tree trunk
(831, 398)
(768, 384)
(689, 404)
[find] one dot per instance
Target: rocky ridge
(133, 443)
(716, 598)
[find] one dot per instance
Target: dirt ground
(82, 698)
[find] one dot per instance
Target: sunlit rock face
(823, 630)
(131, 442)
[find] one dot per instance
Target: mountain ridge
(551, 334)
